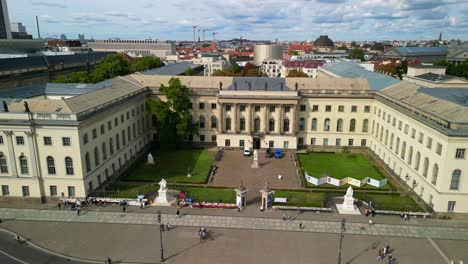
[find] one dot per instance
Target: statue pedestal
(163, 198)
(255, 165)
(348, 207)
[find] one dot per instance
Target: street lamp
(343, 229)
(160, 234)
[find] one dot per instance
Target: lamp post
(160, 234)
(343, 229)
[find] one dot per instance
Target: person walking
(78, 211)
(380, 255)
(300, 225)
(124, 210)
(177, 213)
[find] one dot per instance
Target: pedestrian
(379, 255)
(141, 205)
(366, 212)
(59, 205)
(18, 238)
(109, 260)
(78, 211)
(385, 251)
(177, 213)
(390, 259)
(124, 209)
(300, 225)
(373, 212)
(371, 222)
(284, 217)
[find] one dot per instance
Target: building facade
(5, 31)
(135, 48)
(267, 52)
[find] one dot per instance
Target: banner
(344, 181)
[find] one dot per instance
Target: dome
(323, 41)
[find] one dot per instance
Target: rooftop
(435, 77)
(420, 50)
(172, 69)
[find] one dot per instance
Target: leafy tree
(357, 54)
(295, 73)
(76, 77)
(190, 72)
(342, 47)
(353, 44)
(235, 68)
(173, 118)
(145, 63)
(111, 66)
(459, 70)
(294, 52)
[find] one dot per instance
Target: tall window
(271, 125)
(201, 122)
(386, 136)
(435, 173)
(257, 124)
(410, 155)
(213, 122)
(326, 125)
(87, 162)
(23, 164)
(50, 165)
(228, 123)
(124, 139)
(391, 141)
(111, 146)
(352, 125)
(96, 156)
(129, 134)
(117, 141)
(3, 164)
(242, 124)
(286, 125)
(314, 124)
(339, 125)
(403, 149)
(301, 124)
(455, 182)
(69, 166)
(397, 146)
(104, 151)
(417, 161)
(365, 125)
(425, 167)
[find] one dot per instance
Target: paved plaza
(234, 167)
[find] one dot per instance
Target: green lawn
(206, 194)
(394, 202)
(173, 166)
(297, 198)
(339, 165)
(132, 191)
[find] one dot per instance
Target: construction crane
(214, 35)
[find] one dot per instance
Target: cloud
(48, 19)
(49, 4)
(116, 13)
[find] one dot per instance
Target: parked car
(278, 153)
(269, 153)
(247, 152)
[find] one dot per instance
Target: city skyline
(275, 19)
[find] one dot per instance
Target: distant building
(5, 32)
(17, 27)
(324, 44)
(419, 69)
(81, 37)
(267, 52)
(457, 52)
(135, 48)
(212, 63)
(424, 54)
(438, 80)
(272, 68)
(66, 46)
(334, 55)
(307, 67)
(63, 37)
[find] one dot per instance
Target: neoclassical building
(420, 133)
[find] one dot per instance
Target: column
(264, 121)
(11, 153)
(219, 117)
(32, 154)
(293, 120)
(234, 118)
(248, 118)
(279, 112)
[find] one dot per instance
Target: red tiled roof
(304, 64)
(303, 47)
(240, 53)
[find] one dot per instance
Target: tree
(145, 63)
(295, 73)
(76, 77)
(357, 54)
(190, 72)
(342, 47)
(235, 68)
(294, 52)
(173, 118)
(111, 66)
(353, 44)
(459, 70)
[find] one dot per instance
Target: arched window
(213, 122)
(69, 166)
(111, 146)
(96, 156)
(3, 163)
(403, 149)
(455, 182)
(286, 125)
(301, 124)
(23, 164)
(104, 151)
(271, 125)
(365, 126)
(425, 167)
(386, 137)
(417, 161)
(87, 162)
(352, 125)
(117, 141)
(201, 122)
(410, 155)
(50, 165)
(129, 134)
(377, 131)
(373, 126)
(242, 124)
(228, 123)
(124, 139)
(435, 173)
(397, 146)
(326, 125)
(391, 141)
(339, 125)
(314, 124)
(257, 124)
(381, 134)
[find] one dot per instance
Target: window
(128, 115)
(460, 153)
(213, 138)
(201, 106)
(400, 124)
(403, 150)
(90, 186)
(397, 145)
(341, 108)
(417, 161)
(99, 179)
(285, 144)
(326, 125)
(242, 108)
(96, 156)
(53, 190)
(315, 108)
(19, 140)
(85, 138)
(117, 141)
(367, 109)
(116, 121)
(338, 142)
(455, 182)
(23, 164)
(66, 141)
(413, 133)
(109, 125)
(435, 173)
(47, 141)
(201, 122)
(313, 141)
(301, 124)
(257, 108)
(406, 129)
(300, 141)
(325, 141)
(302, 108)
(394, 122)
(328, 108)
(71, 191)
(421, 138)
(103, 130)
(352, 125)
(69, 166)
(410, 155)
(25, 191)
(202, 138)
(272, 108)
(1, 140)
(87, 162)
(104, 151)
(365, 126)
(391, 141)
(439, 148)
(213, 106)
(271, 125)
(228, 107)
(339, 125)
(350, 142)
(257, 124)
(287, 109)
(5, 190)
(354, 108)
(3, 164)
(386, 136)
(363, 142)
(50, 165)
(271, 144)
(241, 143)
(227, 142)
(213, 122)
(451, 206)
(111, 146)
(94, 132)
(228, 123)
(314, 124)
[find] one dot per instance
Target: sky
(252, 19)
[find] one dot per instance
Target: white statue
(162, 185)
(255, 155)
(349, 192)
(150, 159)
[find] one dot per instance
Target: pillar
(219, 117)
(293, 120)
(11, 153)
(32, 154)
(264, 121)
(234, 118)
(278, 119)
(248, 119)
(241, 197)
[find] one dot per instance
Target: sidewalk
(236, 222)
